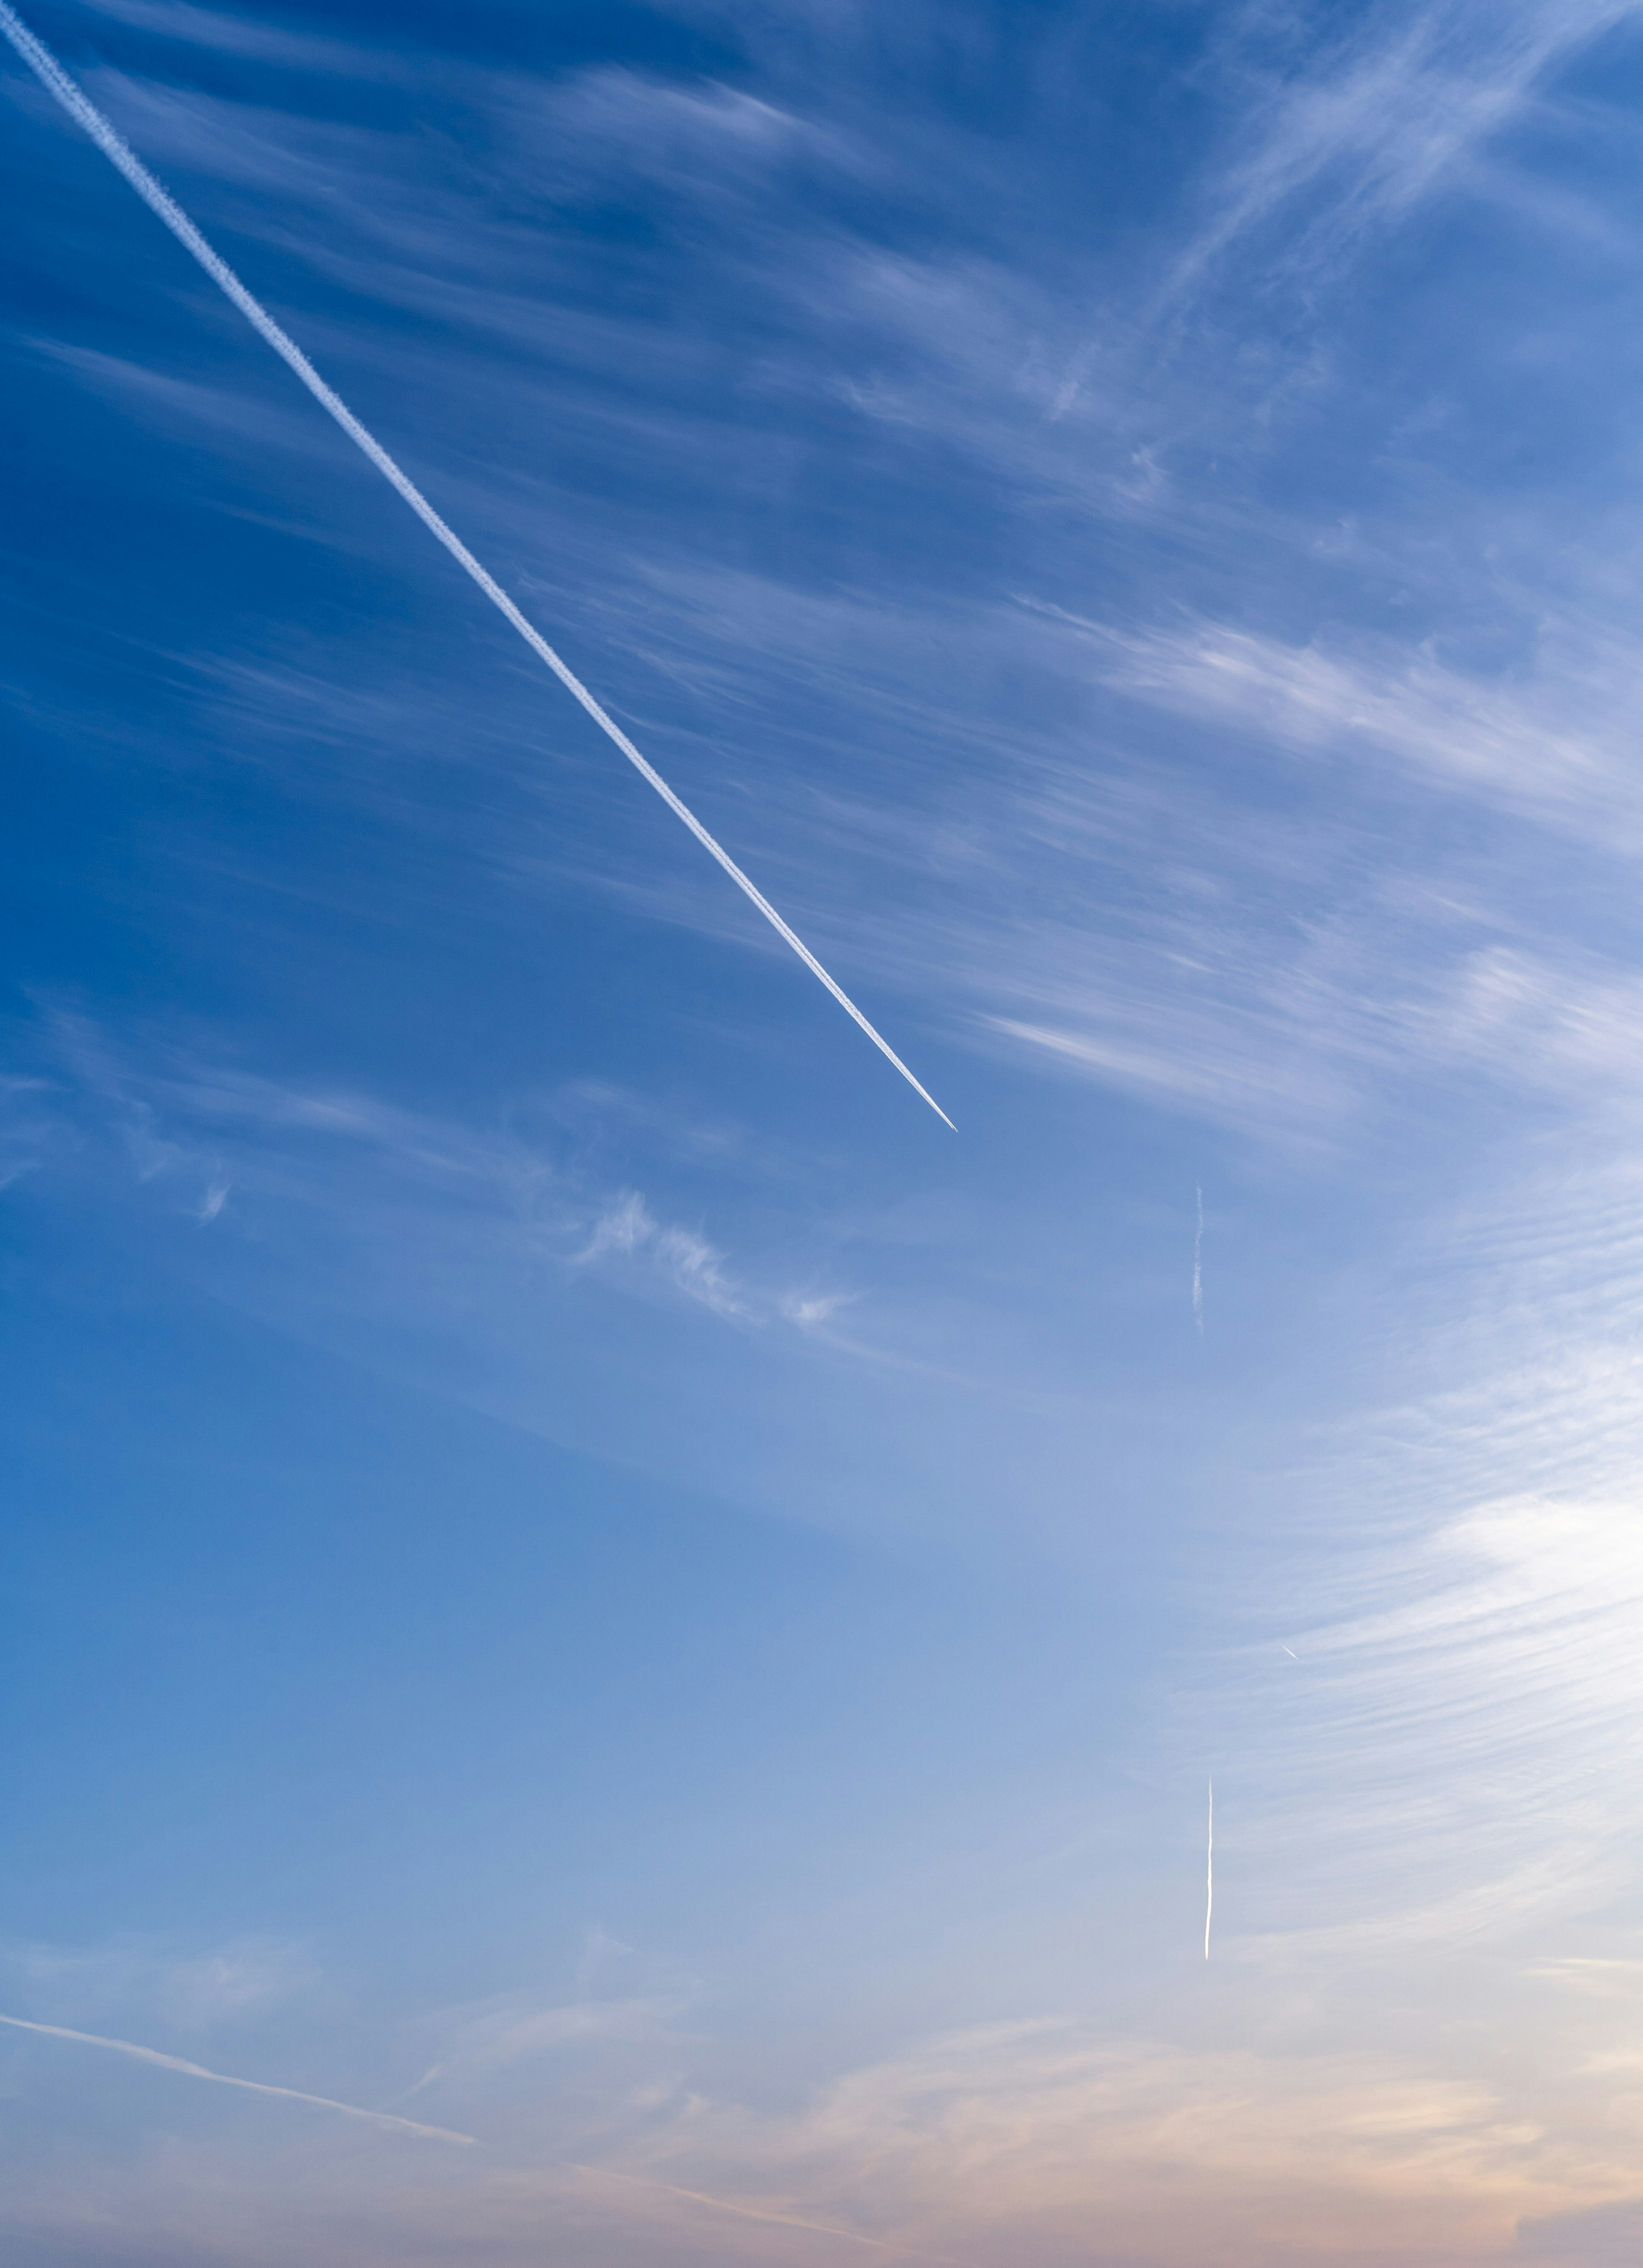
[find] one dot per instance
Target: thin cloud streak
(1389, 119)
(223, 2079)
(57, 82)
(1546, 748)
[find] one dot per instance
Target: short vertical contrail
(222, 2078)
(1209, 1877)
(1198, 1267)
(50, 72)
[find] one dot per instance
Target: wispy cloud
(495, 2046)
(1019, 2140)
(1367, 129)
(191, 1991)
(686, 1258)
(205, 1130)
(1518, 743)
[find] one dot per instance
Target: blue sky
(583, 1571)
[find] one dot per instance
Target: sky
(631, 1628)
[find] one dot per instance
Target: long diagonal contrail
(45, 67)
(221, 2079)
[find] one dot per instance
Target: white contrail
(222, 2078)
(1209, 1878)
(1198, 1267)
(45, 67)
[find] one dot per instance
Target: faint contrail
(1209, 1878)
(1198, 1267)
(45, 67)
(221, 2079)
(779, 2220)
(428, 2077)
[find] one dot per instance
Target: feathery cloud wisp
(1388, 113)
